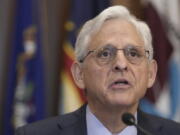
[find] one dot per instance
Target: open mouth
(125, 82)
(120, 84)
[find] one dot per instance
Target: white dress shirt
(95, 127)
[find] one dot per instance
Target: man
(114, 66)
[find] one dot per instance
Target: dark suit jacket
(75, 124)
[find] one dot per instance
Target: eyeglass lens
(108, 53)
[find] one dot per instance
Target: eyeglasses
(106, 54)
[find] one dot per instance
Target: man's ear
(77, 74)
(152, 72)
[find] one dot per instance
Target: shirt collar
(95, 127)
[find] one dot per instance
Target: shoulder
(51, 125)
(44, 127)
(39, 127)
(164, 121)
(159, 124)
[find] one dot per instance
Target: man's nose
(120, 62)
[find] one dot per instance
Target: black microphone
(129, 120)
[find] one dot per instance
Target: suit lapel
(147, 123)
(74, 123)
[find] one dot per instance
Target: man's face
(120, 82)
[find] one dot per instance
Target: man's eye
(104, 54)
(134, 53)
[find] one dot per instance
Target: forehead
(117, 32)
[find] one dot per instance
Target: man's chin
(122, 103)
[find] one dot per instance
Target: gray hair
(114, 12)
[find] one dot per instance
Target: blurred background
(36, 51)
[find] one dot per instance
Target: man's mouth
(120, 84)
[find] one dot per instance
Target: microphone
(129, 120)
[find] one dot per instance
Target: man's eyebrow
(135, 45)
(109, 44)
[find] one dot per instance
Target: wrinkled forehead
(117, 30)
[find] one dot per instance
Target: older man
(115, 66)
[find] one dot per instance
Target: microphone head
(128, 119)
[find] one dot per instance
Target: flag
(170, 12)
(24, 101)
(71, 96)
(164, 98)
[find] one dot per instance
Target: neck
(110, 117)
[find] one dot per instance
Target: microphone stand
(129, 120)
